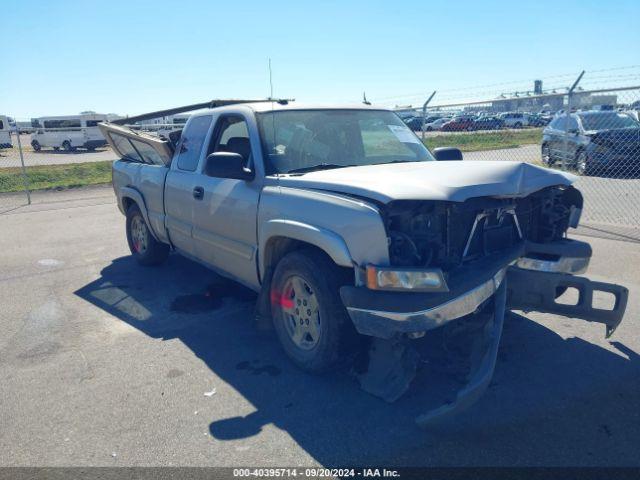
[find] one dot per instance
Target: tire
(312, 325)
(91, 149)
(66, 146)
(145, 249)
(583, 166)
(36, 146)
(546, 155)
(517, 125)
(56, 148)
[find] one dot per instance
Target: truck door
(224, 217)
(182, 187)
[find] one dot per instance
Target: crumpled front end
(450, 268)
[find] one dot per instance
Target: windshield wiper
(319, 166)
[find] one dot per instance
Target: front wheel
(582, 164)
(66, 146)
(144, 247)
(311, 323)
(36, 146)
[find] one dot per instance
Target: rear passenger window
(191, 142)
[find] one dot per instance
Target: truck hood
(451, 181)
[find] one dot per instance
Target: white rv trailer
(68, 132)
(5, 132)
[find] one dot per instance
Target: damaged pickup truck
(356, 236)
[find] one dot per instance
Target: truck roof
(277, 106)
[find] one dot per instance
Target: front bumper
(627, 158)
(386, 314)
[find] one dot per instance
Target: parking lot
(107, 363)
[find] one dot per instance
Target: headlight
(416, 280)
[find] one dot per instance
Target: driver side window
(232, 135)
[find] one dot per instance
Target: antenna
(270, 81)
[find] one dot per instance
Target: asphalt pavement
(104, 362)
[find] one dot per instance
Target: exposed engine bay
(449, 234)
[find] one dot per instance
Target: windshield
(306, 140)
(607, 121)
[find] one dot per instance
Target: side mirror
(447, 154)
(227, 165)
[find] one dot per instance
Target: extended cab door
(182, 188)
(224, 217)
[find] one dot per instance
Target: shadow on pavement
(552, 401)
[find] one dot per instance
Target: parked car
(487, 122)
(416, 123)
(436, 124)
(357, 238)
(458, 124)
(514, 119)
(593, 142)
(536, 120)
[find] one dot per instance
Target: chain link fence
(590, 129)
(33, 160)
(592, 133)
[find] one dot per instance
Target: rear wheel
(36, 145)
(312, 324)
(144, 247)
(517, 125)
(66, 146)
(56, 148)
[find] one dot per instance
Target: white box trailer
(68, 132)
(5, 132)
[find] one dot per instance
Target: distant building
(532, 101)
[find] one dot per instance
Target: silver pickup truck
(360, 241)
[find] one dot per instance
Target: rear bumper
(386, 314)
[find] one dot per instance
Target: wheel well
(278, 247)
(127, 202)
(275, 249)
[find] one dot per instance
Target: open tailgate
(137, 146)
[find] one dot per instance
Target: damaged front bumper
(387, 314)
(527, 277)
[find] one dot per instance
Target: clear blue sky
(61, 57)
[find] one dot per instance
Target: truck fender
(136, 196)
(330, 242)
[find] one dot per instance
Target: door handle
(198, 193)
